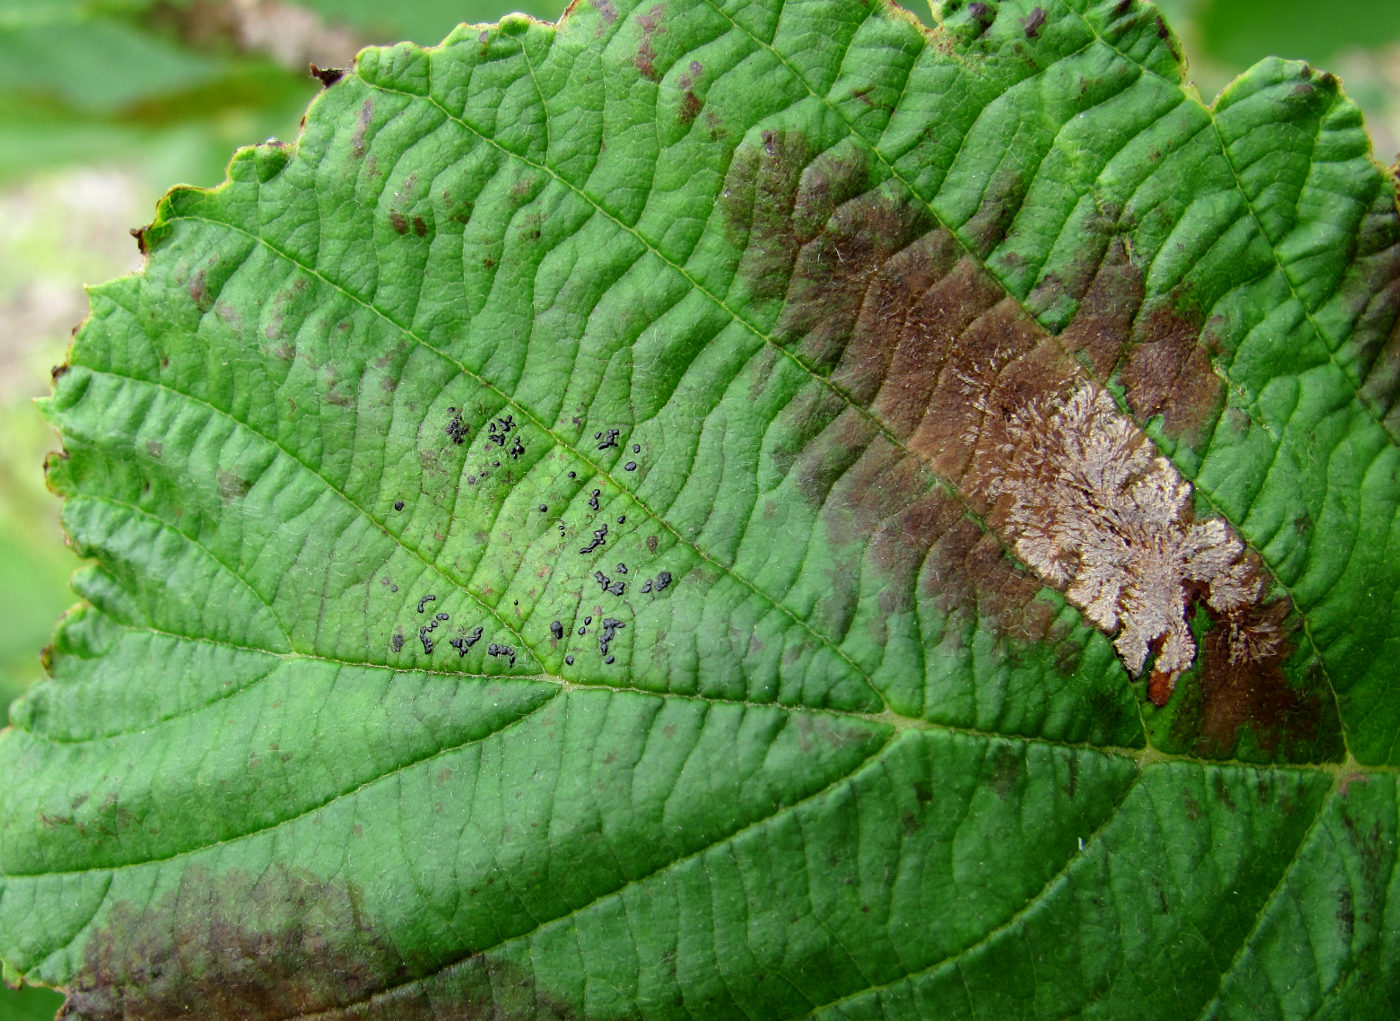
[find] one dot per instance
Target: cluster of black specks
(466, 641)
(427, 629)
(615, 588)
(456, 429)
(463, 642)
(600, 536)
(499, 429)
(611, 585)
(658, 584)
(611, 626)
(503, 432)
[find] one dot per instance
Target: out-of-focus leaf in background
(1359, 40)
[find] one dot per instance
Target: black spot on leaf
(328, 76)
(466, 641)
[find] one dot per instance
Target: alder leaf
(737, 510)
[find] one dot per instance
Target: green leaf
(1245, 30)
(92, 61)
(422, 19)
(737, 510)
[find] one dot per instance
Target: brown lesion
(1243, 683)
(1167, 369)
(235, 946)
(232, 946)
(651, 24)
(985, 432)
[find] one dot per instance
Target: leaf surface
(737, 510)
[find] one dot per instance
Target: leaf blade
(644, 301)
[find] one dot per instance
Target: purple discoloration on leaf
(651, 25)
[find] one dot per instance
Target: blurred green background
(109, 102)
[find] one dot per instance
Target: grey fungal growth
(556, 628)
(1097, 513)
(609, 439)
(630, 466)
(504, 651)
(422, 603)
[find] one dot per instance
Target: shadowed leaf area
(716, 510)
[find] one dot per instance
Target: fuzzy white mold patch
(1095, 511)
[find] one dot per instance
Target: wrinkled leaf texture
(548, 557)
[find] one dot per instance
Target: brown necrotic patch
(234, 946)
(958, 432)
